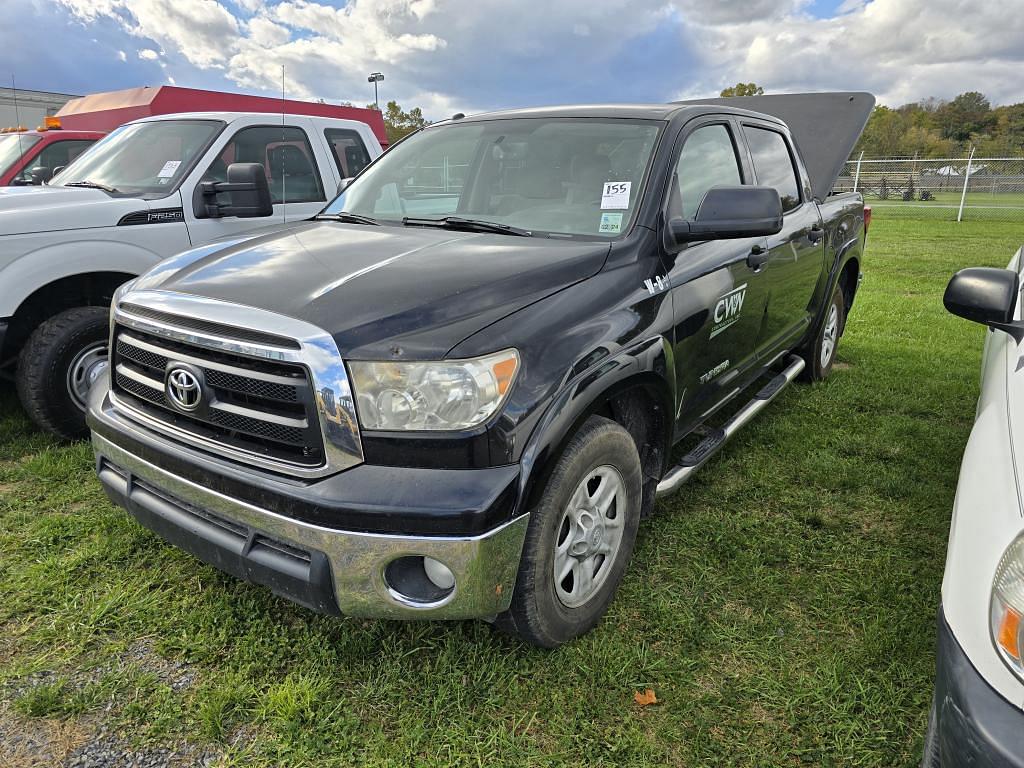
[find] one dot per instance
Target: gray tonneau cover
(825, 126)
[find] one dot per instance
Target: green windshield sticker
(611, 223)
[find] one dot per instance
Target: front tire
(58, 364)
(580, 538)
(821, 353)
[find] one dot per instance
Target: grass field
(782, 606)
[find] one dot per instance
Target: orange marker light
(503, 372)
(51, 122)
(1009, 631)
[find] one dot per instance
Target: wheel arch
(86, 289)
(633, 390)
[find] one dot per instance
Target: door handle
(757, 257)
(815, 233)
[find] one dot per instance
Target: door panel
(718, 299)
(719, 305)
(797, 253)
(794, 267)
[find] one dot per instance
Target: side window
(773, 164)
(286, 157)
(348, 149)
(708, 160)
(56, 155)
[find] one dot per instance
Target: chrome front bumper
(250, 542)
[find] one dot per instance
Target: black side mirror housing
(247, 189)
(728, 213)
(41, 174)
(986, 295)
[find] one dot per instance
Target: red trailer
(106, 111)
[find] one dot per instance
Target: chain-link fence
(962, 188)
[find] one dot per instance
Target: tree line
(935, 127)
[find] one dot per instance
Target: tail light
(867, 218)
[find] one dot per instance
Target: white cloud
(148, 54)
(449, 56)
(122, 56)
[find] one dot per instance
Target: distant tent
(947, 170)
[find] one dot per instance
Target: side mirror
(987, 296)
(731, 212)
(343, 184)
(247, 189)
(40, 174)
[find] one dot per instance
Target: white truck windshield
(558, 176)
(141, 158)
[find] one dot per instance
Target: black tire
(930, 758)
(537, 613)
(45, 364)
(816, 370)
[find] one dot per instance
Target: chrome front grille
(262, 407)
(274, 389)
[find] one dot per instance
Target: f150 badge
(727, 309)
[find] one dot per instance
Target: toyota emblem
(183, 389)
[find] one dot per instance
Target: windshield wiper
(349, 218)
(91, 185)
(472, 225)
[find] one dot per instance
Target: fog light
(438, 573)
(418, 581)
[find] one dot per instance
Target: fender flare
(42, 266)
(648, 364)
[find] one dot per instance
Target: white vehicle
(977, 715)
(150, 189)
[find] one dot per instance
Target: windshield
(142, 158)
(13, 146)
(555, 176)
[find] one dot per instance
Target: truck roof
(621, 111)
(230, 117)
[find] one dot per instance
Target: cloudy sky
(472, 55)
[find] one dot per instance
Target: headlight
(1007, 609)
(448, 394)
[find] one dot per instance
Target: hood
(46, 209)
(384, 291)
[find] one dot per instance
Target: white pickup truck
(150, 189)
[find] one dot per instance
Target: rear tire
(820, 354)
(58, 364)
(584, 528)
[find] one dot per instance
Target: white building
(28, 108)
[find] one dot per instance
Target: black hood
(387, 291)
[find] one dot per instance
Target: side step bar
(716, 438)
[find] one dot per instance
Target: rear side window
(286, 157)
(708, 160)
(773, 165)
(348, 149)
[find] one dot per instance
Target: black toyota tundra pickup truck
(456, 391)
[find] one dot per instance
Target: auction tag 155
(615, 194)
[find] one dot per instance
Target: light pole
(375, 77)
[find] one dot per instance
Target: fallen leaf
(645, 698)
(497, 590)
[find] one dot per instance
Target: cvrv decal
(727, 310)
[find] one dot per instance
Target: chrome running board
(718, 437)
